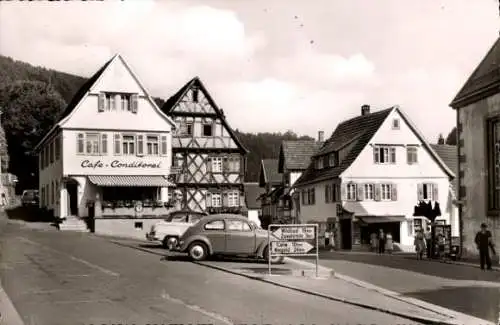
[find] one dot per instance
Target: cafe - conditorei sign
(119, 164)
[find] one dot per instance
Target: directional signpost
(293, 240)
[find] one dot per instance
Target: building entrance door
(72, 189)
(346, 233)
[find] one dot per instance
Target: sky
(271, 65)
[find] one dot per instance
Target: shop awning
(130, 181)
(381, 219)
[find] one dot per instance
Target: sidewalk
(467, 261)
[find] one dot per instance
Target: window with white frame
(128, 144)
(412, 155)
(92, 143)
(216, 200)
(207, 129)
(386, 192)
(428, 191)
(384, 154)
(125, 102)
(351, 191)
(369, 190)
(110, 102)
(216, 164)
(331, 160)
(152, 145)
(395, 124)
(233, 199)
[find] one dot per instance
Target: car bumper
(151, 237)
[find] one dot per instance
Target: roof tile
(270, 169)
(298, 153)
(449, 156)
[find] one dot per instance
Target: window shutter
(327, 193)
(80, 145)
(343, 191)
(408, 158)
(209, 164)
(420, 191)
(104, 144)
(360, 193)
(163, 145)
(118, 144)
(435, 192)
(377, 192)
(101, 101)
(208, 199)
(225, 199)
(376, 153)
(140, 145)
(392, 152)
(135, 103)
(394, 194)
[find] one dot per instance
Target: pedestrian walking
(389, 245)
(428, 242)
(381, 242)
(441, 241)
(420, 244)
(373, 242)
(484, 242)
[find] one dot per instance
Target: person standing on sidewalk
(381, 242)
(484, 242)
(373, 242)
(390, 243)
(428, 244)
(419, 243)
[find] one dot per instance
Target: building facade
(107, 160)
(477, 106)
(270, 180)
(209, 159)
(295, 156)
(370, 175)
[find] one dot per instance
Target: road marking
(91, 265)
(215, 316)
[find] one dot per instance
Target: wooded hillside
(260, 145)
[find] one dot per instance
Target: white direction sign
(290, 247)
(295, 233)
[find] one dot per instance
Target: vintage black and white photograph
(250, 162)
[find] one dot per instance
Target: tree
(30, 109)
(451, 139)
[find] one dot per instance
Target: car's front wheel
(170, 242)
(198, 251)
(274, 259)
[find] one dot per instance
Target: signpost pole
(317, 250)
(269, 249)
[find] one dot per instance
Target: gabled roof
(84, 90)
(358, 132)
(168, 107)
(449, 156)
(484, 80)
(252, 192)
(296, 154)
(269, 172)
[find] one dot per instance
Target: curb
(8, 313)
(494, 268)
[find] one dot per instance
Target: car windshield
(184, 217)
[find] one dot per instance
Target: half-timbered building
(208, 157)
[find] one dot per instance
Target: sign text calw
(119, 164)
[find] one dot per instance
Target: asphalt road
(69, 278)
(462, 288)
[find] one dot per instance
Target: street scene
(250, 162)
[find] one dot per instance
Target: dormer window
(395, 124)
(125, 102)
(332, 160)
(319, 163)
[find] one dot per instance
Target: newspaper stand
(292, 240)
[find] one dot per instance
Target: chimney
(321, 136)
(365, 109)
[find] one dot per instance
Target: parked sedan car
(171, 229)
(29, 198)
(226, 234)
